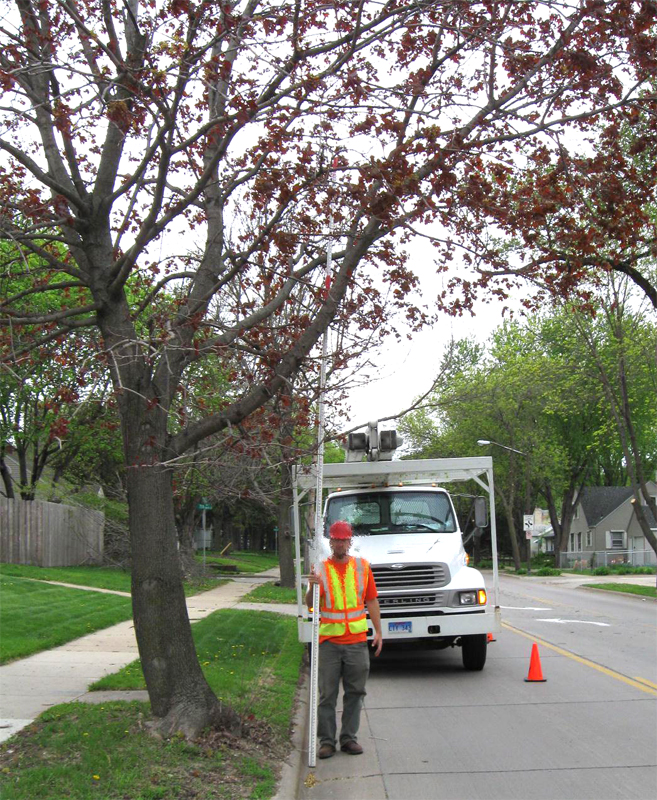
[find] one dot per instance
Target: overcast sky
(407, 369)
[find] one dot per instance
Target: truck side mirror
(481, 512)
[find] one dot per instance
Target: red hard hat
(340, 530)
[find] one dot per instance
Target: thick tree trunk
(181, 699)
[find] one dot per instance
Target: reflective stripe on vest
(343, 605)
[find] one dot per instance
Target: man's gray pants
(351, 662)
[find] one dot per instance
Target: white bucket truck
(405, 525)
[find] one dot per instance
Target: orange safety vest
(343, 605)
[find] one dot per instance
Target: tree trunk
(180, 696)
(642, 518)
(25, 488)
(6, 477)
(285, 499)
(508, 510)
(561, 524)
(555, 522)
(285, 537)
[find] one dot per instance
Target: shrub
(521, 571)
(601, 571)
(548, 571)
(543, 560)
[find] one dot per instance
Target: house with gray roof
(605, 529)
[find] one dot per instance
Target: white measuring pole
(316, 548)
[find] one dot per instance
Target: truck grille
(411, 576)
(401, 602)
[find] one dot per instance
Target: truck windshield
(393, 512)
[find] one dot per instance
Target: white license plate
(400, 627)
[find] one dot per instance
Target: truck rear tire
(474, 651)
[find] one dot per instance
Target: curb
(292, 770)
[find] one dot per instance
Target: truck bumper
(461, 624)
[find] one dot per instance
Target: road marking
(647, 682)
(605, 670)
(578, 621)
(525, 608)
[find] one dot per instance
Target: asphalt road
(432, 731)
(613, 630)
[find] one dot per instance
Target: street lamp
(484, 443)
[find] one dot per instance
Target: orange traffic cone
(490, 638)
(535, 672)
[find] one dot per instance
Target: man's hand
(313, 580)
(375, 616)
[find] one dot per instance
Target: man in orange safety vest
(346, 587)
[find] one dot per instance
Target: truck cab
(427, 592)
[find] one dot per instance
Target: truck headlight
(474, 597)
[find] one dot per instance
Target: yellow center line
(646, 681)
(637, 683)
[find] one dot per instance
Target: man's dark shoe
(326, 751)
(351, 747)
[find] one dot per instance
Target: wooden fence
(50, 534)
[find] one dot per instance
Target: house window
(617, 539)
(589, 538)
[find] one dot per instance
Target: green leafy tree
(621, 345)
(534, 392)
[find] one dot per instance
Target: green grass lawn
(240, 561)
(626, 588)
(97, 577)
(247, 658)
(270, 593)
(252, 661)
(36, 616)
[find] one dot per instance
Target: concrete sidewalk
(31, 685)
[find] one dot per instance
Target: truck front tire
(474, 651)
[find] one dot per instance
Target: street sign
(204, 506)
(528, 525)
